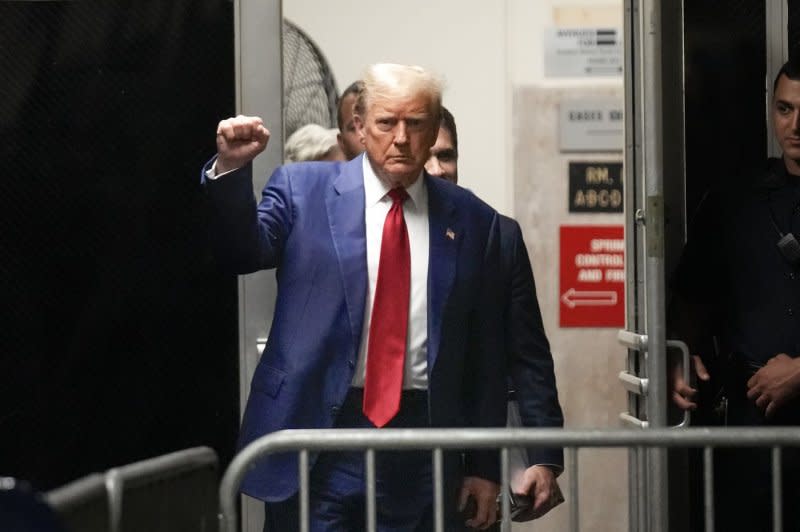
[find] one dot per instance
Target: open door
(695, 72)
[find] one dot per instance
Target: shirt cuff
(212, 175)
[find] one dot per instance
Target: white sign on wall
(591, 125)
(583, 52)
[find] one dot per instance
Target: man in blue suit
(530, 362)
(324, 227)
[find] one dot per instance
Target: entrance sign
(591, 125)
(592, 276)
(583, 52)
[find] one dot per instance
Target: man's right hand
(239, 140)
(539, 483)
(484, 494)
(681, 393)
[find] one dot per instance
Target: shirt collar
(774, 176)
(375, 189)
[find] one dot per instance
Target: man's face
(786, 121)
(398, 134)
(349, 139)
(443, 161)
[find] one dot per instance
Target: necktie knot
(398, 195)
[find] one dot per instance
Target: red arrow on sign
(573, 298)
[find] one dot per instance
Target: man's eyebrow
(784, 102)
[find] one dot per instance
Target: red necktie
(386, 348)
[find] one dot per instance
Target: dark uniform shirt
(733, 285)
(732, 267)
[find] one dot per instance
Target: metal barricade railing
(438, 440)
(176, 491)
(82, 504)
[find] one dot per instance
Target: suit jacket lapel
(345, 205)
(445, 237)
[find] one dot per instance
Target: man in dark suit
(529, 359)
(349, 138)
(387, 311)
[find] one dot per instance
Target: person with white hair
(387, 311)
(312, 142)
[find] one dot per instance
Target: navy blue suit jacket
(310, 226)
(530, 360)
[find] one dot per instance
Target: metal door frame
(777, 16)
(654, 121)
(645, 132)
(259, 91)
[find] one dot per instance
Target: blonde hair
(390, 80)
(311, 142)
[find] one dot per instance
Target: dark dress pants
(743, 476)
(404, 486)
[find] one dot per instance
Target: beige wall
(587, 360)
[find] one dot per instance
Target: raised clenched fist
(239, 140)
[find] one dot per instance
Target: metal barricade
(173, 492)
(82, 505)
(438, 440)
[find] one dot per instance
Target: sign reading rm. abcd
(592, 277)
(595, 187)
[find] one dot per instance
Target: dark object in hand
(521, 507)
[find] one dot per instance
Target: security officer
(736, 301)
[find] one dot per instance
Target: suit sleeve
(530, 360)
(247, 237)
(486, 370)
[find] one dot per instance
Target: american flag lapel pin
(450, 234)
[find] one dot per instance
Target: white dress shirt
(415, 211)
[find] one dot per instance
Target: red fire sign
(592, 289)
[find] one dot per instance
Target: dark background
(726, 132)
(725, 68)
(119, 333)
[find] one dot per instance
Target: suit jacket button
(334, 410)
(351, 364)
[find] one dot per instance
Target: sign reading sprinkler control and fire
(592, 287)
